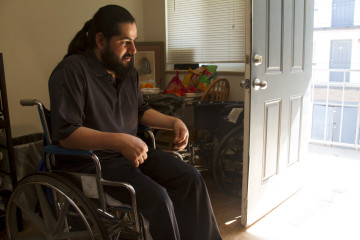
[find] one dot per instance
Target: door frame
(246, 146)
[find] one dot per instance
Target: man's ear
(100, 40)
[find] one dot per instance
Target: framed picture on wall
(149, 62)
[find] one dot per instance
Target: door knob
(257, 84)
(257, 60)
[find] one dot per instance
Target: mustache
(128, 55)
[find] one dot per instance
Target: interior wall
(154, 21)
(34, 36)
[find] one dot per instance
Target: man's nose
(132, 48)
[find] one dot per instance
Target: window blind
(209, 31)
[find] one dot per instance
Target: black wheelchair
(216, 143)
(62, 205)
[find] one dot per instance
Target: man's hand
(133, 148)
(157, 120)
(181, 134)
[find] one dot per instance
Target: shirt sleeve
(66, 90)
(143, 106)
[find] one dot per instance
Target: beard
(112, 62)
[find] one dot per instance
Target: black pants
(171, 195)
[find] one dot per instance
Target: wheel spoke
(35, 218)
(62, 214)
(59, 232)
(228, 163)
(233, 149)
(70, 216)
(45, 207)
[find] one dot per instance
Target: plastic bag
(167, 104)
(192, 77)
(175, 86)
(206, 77)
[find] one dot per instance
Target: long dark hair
(106, 21)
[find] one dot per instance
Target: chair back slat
(217, 91)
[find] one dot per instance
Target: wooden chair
(217, 91)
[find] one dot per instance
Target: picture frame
(149, 62)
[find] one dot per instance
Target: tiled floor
(327, 207)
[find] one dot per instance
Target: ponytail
(80, 42)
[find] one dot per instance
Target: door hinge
(245, 83)
(247, 59)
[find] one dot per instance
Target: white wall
(34, 36)
(322, 48)
(323, 13)
(154, 20)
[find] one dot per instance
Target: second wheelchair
(216, 142)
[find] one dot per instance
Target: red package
(175, 86)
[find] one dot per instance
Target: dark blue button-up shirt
(82, 94)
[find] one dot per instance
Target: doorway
(335, 82)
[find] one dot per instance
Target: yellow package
(192, 77)
(206, 77)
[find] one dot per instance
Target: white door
(279, 70)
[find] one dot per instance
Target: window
(342, 13)
(340, 59)
(205, 31)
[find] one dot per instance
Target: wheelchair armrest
(143, 128)
(56, 149)
(149, 131)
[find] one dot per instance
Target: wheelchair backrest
(209, 116)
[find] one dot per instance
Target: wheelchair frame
(220, 146)
(123, 226)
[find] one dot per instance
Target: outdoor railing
(335, 95)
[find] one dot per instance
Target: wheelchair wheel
(228, 162)
(67, 216)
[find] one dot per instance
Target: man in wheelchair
(96, 104)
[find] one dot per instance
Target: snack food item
(206, 77)
(192, 77)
